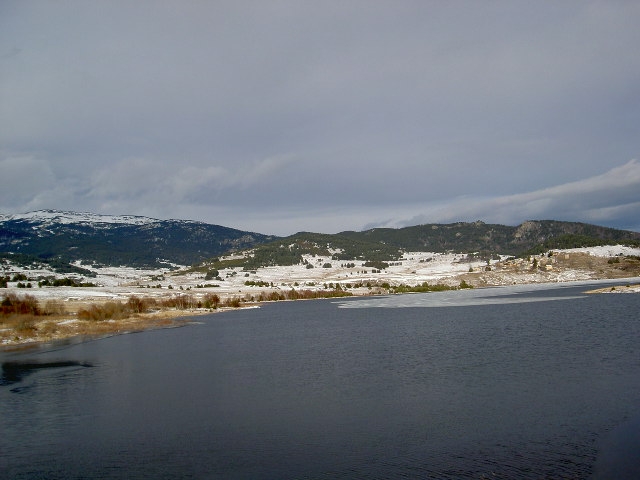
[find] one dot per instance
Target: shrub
(13, 304)
(180, 302)
(377, 265)
(232, 302)
(256, 283)
(54, 307)
(212, 274)
(139, 305)
(211, 300)
(107, 311)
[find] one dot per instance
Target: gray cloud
(606, 198)
(317, 115)
(23, 178)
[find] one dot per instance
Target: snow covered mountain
(119, 240)
(49, 217)
(136, 241)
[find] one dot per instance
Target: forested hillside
(382, 245)
(496, 239)
(131, 241)
(63, 237)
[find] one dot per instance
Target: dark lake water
(482, 384)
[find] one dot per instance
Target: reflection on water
(506, 389)
(13, 372)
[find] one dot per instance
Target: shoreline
(73, 328)
(170, 297)
(88, 330)
(631, 288)
(91, 330)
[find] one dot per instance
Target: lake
(514, 382)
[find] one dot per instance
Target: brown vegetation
(23, 319)
(293, 294)
(12, 304)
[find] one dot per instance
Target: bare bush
(233, 302)
(13, 304)
(179, 302)
(54, 307)
(211, 300)
(140, 304)
(107, 311)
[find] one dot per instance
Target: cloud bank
(326, 116)
(610, 198)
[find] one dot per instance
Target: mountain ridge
(67, 216)
(140, 241)
(491, 238)
(119, 239)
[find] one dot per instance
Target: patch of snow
(49, 217)
(68, 322)
(605, 250)
(414, 268)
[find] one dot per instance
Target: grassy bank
(23, 319)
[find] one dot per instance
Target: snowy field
(591, 267)
(412, 269)
(605, 251)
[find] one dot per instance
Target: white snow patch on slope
(605, 250)
(49, 217)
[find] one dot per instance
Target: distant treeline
(55, 264)
(21, 278)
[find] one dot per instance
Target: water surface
(499, 383)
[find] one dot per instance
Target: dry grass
(24, 329)
(22, 319)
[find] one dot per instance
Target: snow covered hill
(92, 240)
(52, 217)
(118, 240)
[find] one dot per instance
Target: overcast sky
(283, 116)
